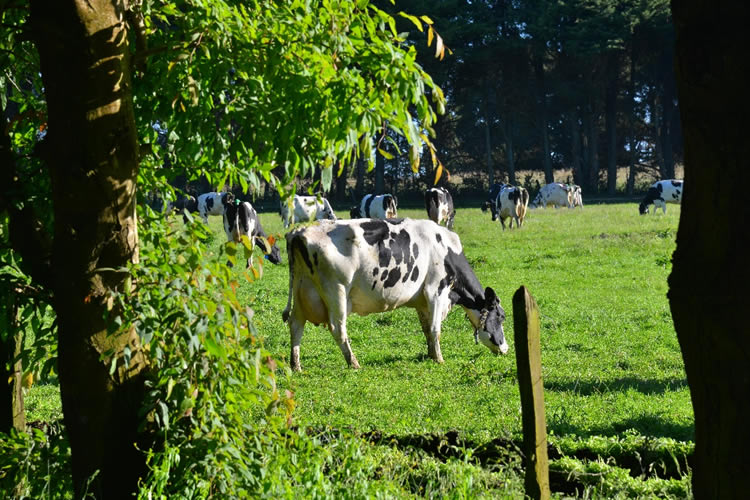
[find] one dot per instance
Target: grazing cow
(240, 219)
(369, 266)
(577, 199)
(381, 206)
(212, 204)
(439, 204)
(305, 208)
(660, 193)
(555, 194)
(490, 203)
(511, 202)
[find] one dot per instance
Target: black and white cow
(212, 204)
(555, 193)
(439, 204)
(241, 219)
(576, 195)
(491, 197)
(511, 202)
(660, 193)
(306, 208)
(370, 266)
(381, 206)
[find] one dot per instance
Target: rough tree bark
(610, 120)
(91, 152)
(709, 307)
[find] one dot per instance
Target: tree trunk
(543, 121)
(379, 174)
(488, 146)
(709, 306)
(667, 117)
(575, 148)
(610, 118)
(91, 151)
(633, 156)
(360, 186)
(12, 412)
(509, 149)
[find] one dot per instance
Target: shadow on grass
(646, 425)
(589, 387)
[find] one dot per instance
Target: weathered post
(529, 364)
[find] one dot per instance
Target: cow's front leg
(432, 334)
(296, 329)
(337, 312)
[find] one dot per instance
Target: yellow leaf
(412, 19)
(429, 36)
(438, 172)
(385, 154)
(426, 19)
(439, 47)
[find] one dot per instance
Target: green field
(617, 402)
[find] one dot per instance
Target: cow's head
(354, 212)
(490, 330)
(274, 256)
(328, 211)
(643, 208)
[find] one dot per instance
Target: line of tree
(585, 85)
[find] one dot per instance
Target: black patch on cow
(368, 201)
(396, 221)
(415, 274)
(298, 244)
(401, 246)
(315, 258)
(383, 276)
(652, 194)
(393, 276)
(373, 285)
(374, 231)
(466, 289)
(415, 250)
(675, 195)
(677, 184)
(659, 187)
(209, 203)
(438, 238)
(375, 271)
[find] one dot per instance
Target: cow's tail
(290, 257)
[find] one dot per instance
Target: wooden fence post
(529, 364)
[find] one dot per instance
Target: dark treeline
(582, 85)
(567, 91)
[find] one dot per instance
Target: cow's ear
(490, 298)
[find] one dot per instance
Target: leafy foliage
(273, 90)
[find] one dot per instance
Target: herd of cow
(376, 262)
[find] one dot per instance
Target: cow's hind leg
(432, 335)
(337, 312)
(296, 329)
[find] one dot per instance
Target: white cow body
(369, 266)
(660, 193)
(439, 204)
(511, 202)
(381, 206)
(555, 194)
(211, 204)
(306, 208)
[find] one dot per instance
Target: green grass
(611, 360)
(612, 366)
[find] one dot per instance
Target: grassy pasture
(610, 354)
(617, 401)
